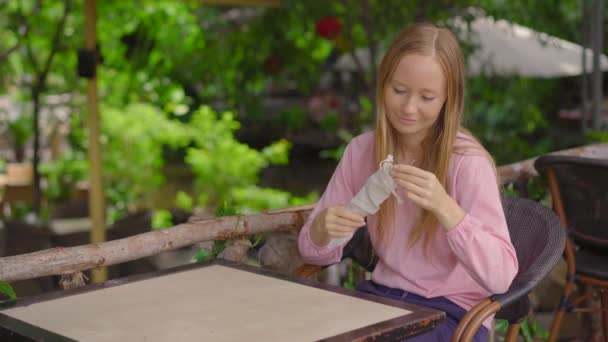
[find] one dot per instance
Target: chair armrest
(464, 322)
(474, 318)
(515, 292)
(478, 319)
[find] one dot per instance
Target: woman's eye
(428, 98)
(399, 91)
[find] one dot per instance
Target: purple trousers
(444, 331)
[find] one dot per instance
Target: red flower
(328, 27)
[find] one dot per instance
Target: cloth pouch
(377, 189)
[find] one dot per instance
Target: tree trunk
(37, 89)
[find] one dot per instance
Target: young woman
(446, 245)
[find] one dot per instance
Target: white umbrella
(505, 48)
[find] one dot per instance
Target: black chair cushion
(589, 231)
(592, 263)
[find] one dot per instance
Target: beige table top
(212, 303)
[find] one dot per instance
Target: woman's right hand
(333, 223)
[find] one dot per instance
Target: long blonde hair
(438, 145)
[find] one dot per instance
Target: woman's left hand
(422, 187)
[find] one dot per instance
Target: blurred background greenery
(213, 110)
(203, 105)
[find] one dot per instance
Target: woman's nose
(409, 105)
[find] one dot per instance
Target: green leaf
(597, 136)
(278, 152)
(7, 289)
(184, 201)
(202, 255)
(526, 331)
(366, 104)
(541, 333)
(162, 219)
(350, 281)
(257, 239)
(219, 246)
(226, 209)
(335, 154)
(501, 325)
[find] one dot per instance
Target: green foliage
(175, 56)
(597, 136)
(21, 129)
(219, 246)
(528, 331)
(183, 201)
(254, 198)
(18, 212)
(226, 209)
(311, 197)
(63, 173)
(532, 331)
(293, 118)
(202, 255)
(350, 282)
(535, 188)
(257, 239)
(27, 28)
(148, 49)
(277, 153)
(330, 121)
(334, 153)
(365, 115)
(218, 160)
(133, 141)
(259, 198)
(162, 219)
(561, 19)
(506, 115)
(337, 153)
(7, 289)
(226, 170)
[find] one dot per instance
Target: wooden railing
(73, 260)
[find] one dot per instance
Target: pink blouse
(466, 264)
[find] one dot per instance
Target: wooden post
(584, 77)
(96, 195)
(597, 29)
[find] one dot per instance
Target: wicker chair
(579, 189)
(538, 238)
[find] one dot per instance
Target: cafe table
(213, 301)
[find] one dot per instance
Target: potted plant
(20, 130)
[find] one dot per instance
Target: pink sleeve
(481, 240)
(339, 191)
